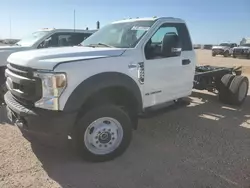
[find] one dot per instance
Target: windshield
(31, 39)
(224, 44)
(247, 45)
(119, 35)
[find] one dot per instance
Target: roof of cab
(68, 30)
(150, 19)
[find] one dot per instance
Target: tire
(213, 54)
(224, 88)
(101, 148)
(234, 56)
(3, 90)
(226, 53)
(238, 89)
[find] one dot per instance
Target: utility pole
(74, 20)
(10, 27)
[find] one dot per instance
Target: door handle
(186, 61)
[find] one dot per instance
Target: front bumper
(218, 51)
(39, 121)
(244, 55)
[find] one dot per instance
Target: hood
(5, 51)
(219, 47)
(4, 48)
(47, 59)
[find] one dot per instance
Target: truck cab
(93, 93)
(43, 38)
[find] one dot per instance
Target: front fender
(98, 82)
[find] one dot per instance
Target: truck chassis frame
(209, 77)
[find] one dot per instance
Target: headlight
(53, 84)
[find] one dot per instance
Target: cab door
(171, 77)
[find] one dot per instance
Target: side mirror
(171, 45)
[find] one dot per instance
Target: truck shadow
(3, 116)
(201, 143)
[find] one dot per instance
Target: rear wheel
(103, 133)
(224, 88)
(238, 89)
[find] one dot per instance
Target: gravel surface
(202, 144)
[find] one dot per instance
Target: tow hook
(19, 123)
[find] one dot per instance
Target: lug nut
(109, 130)
(113, 138)
(100, 145)
(105, 146)
(97, 142)
(112, 133)
(110, 143)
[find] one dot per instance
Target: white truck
(94, 93)
(225, 49)
(242, 51)
(44, 38)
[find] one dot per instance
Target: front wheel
(226, 54)
(103, 133)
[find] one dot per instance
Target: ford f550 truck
(94, 93)
(44, 38)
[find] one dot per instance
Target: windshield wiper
(100, 44)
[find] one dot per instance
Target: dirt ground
(201, 144)
(204, 57)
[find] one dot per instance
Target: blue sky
(209, 21)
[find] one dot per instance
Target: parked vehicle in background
(224, 49)
(242, 51)
(44, 38)
(10, 41)
(94, 93)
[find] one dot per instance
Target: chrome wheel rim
(242, 91)
(103, 136)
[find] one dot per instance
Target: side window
(158, 36)
(153, 48)
(65, 39)
(78, 38)
(57, 40)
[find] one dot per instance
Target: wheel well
(117, 95)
